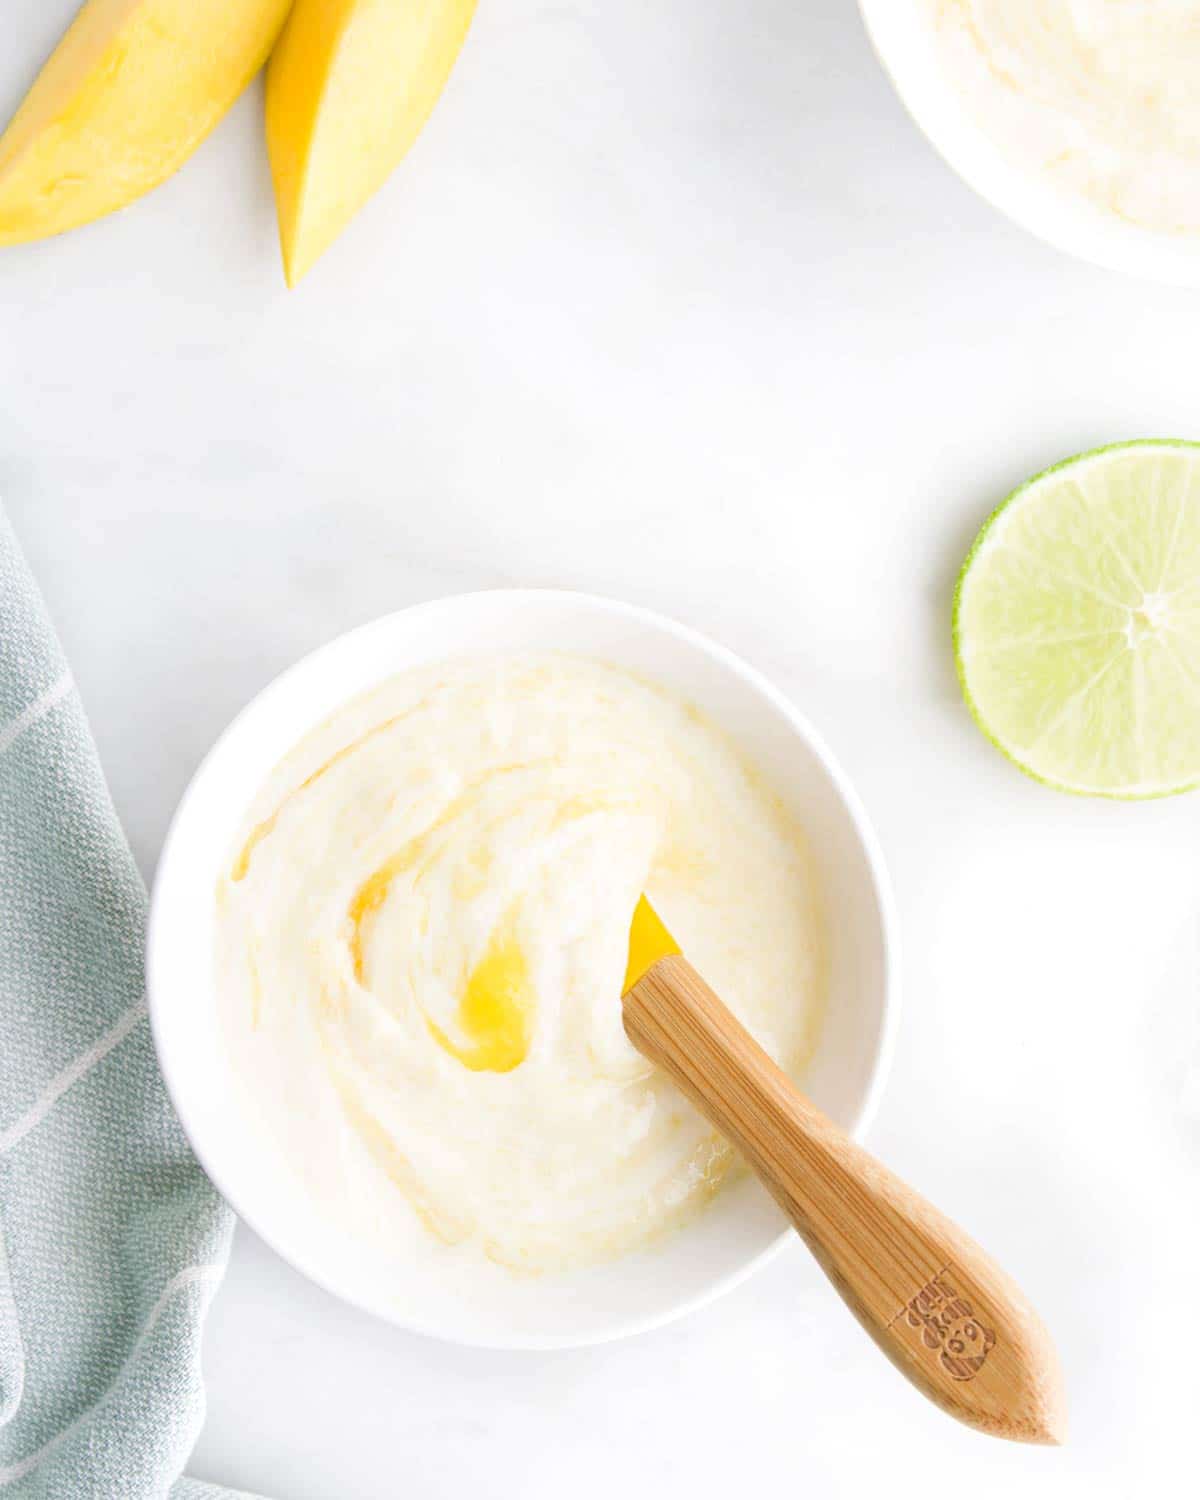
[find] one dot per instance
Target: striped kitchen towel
(112, 1240)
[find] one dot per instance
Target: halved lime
(1077, 622)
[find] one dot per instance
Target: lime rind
(1113, 593)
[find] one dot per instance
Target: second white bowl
(904, 40)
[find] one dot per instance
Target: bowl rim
(901, 37)
(885, 1042)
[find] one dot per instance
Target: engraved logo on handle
(947, 1323)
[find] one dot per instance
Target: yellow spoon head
(649, 941)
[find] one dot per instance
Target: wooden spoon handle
(944, 1313)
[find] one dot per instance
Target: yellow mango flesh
(349, 87)
(129, 93)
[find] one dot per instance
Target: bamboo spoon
(943, 1312)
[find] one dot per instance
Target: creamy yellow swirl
(422, 934)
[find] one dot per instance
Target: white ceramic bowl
(904, 40)
(742, 1227)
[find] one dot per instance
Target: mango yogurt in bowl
(387, 942)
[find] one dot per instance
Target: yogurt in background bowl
(453, 1294)
(1079, 119)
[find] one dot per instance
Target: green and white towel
(112, 1241)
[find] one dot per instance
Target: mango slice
(129, 93)
(349, 87)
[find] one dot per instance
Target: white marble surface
(671, 302)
